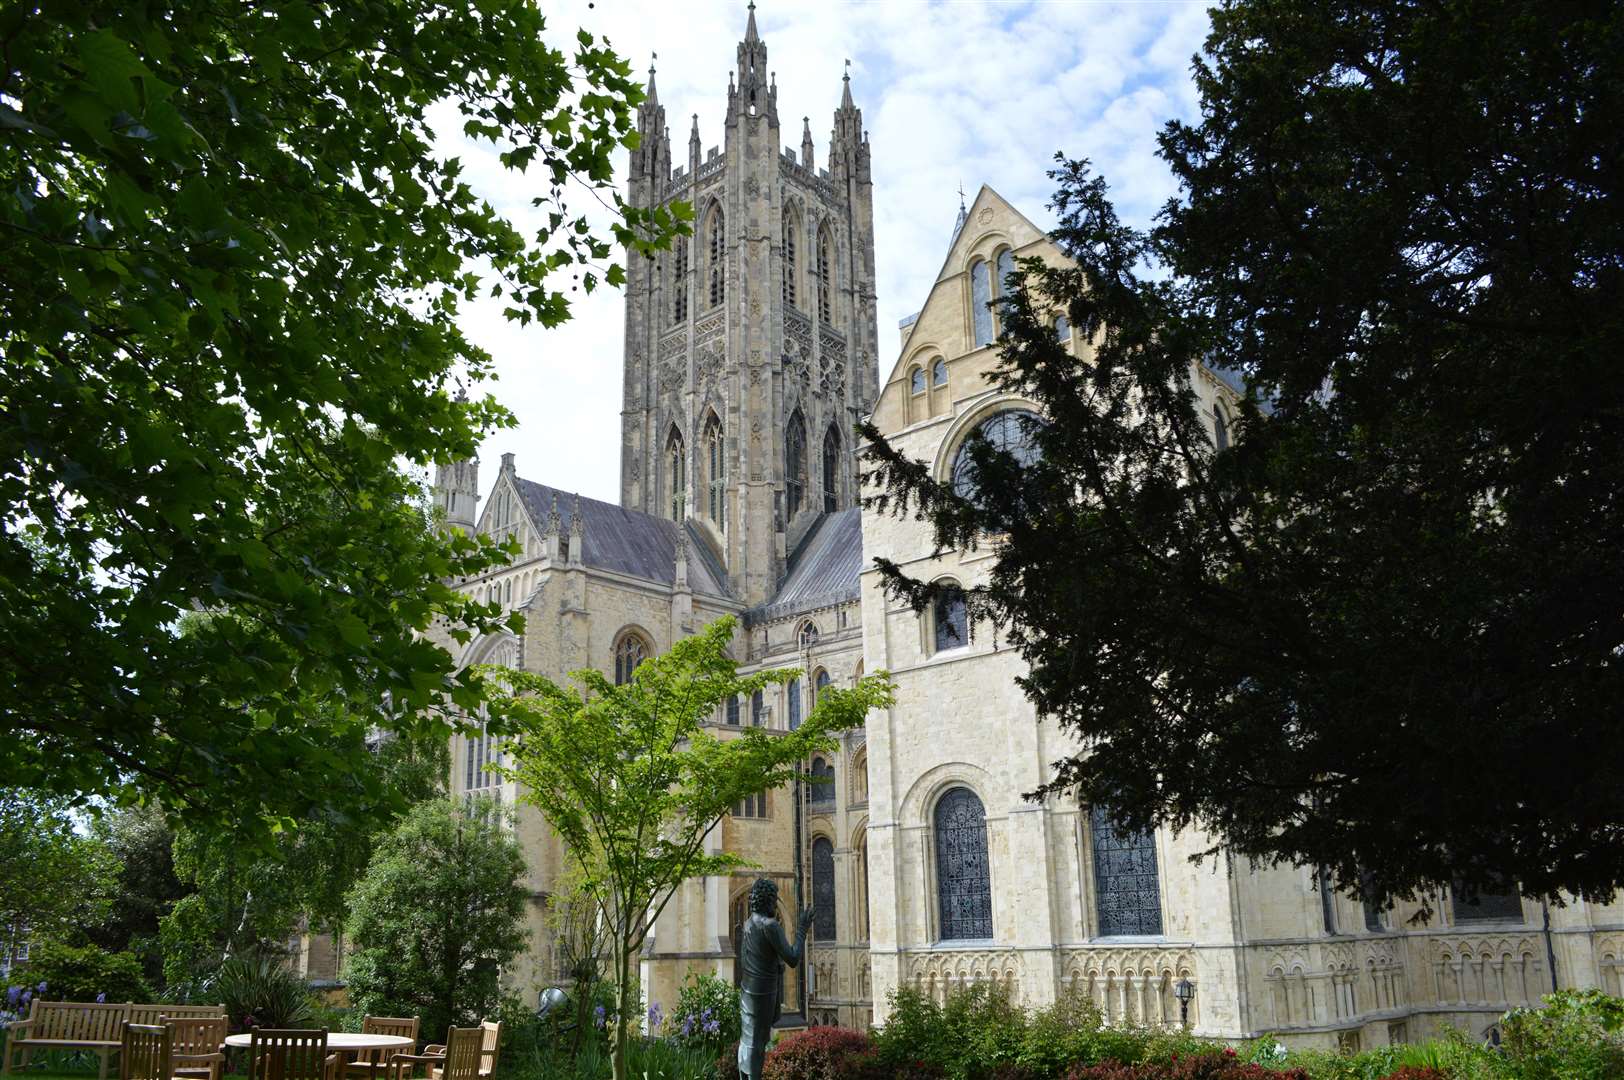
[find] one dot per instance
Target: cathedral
(751, 351)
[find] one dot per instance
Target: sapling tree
(633, 780)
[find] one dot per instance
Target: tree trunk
(617, 1058)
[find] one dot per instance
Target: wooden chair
(290, 1054)
(490, 1042)
(459, 1059)
(143, 1052)
(375, 1063)
(198, 1045)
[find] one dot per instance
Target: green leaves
(231, 271)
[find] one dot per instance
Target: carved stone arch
(857, 779)
(920, 800)
(986, 247)
(963, 425)
(624, 651)
(501, 649)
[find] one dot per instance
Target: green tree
(232, 267)
(438, 913)
(249, 898)
(1379, 633)
(54, 879)
(632, 779)
(145, 887)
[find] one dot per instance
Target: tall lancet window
(980, 297)
(792, 265)
(715, 471)
(831, 469)
(1127, 890)
(795, 462)
(823, 890)
(963, 884)
(716, 268)
(676, 470)
(679, 280)
(826, 269)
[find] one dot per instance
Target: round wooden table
(345, 1043)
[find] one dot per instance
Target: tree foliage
(438, 913)
(232, 267)
(54, 880)
(1379, 633)
(632, 780)
(145, 888)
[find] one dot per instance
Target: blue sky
(952, 92)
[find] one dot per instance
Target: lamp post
(1184, 991)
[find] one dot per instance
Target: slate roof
(625, 541)
(824, 569)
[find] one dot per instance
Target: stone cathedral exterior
(751, 350)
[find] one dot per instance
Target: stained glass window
(831, 468)
(716, 487)
(1127, 892)
(952, 625)
(823, 782)
(916, 382)
(1485, 906)
(629, 652)
(1006, 272)
(823, 889)
(980, 297)
(963, 883)
(793, 693)
(757, 709)
(938, 373)
(1012, 431)
(818, 684)
(733, 711)
(795, 462)
(480, 753)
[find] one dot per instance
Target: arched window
(1062, 328)
(480, 752)
(1013, 431)
(831, 469)
(716, 473)
(630, 650)
(792, 696)
(807, 636)
(792, 266)
(938, 373)
(716, 267)
(980, 297)
(1485, 906)
(733, 711)
(826, 269)
(758, 709)
(818, 684)
(823, 782)
(676, 471)
(916, 381)
(795, 462)
(823, 889)
(1006, 272)
(1127, 891)
(862, 868)
(679, 280)
(963, 882)
(1220, 428)
(951, 619)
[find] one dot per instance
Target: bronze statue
(763, 950)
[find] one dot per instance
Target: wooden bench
(85, 1025)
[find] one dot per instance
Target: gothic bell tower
(751, 347)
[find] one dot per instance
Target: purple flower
(713, 1027)
(28, 995)
(42, 986)
(13, 996)
(599, 1014)
(688, 1024)
(101, 998)
(655, 1017)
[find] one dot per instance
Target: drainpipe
(1550, 945)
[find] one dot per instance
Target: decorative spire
(750, 25)
(554, 524)
(845, 93)
(652, 96)
(964, 215)
(576, 528)
(806, 142)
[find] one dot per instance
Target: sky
(953, 92)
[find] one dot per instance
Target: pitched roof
(824, 569)
(625, 541)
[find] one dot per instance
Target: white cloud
(978, 92)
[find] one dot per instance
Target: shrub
(73, 973)
(813, 1054)
(1223, 1065)
(258, 990)
(1575, 1035)
(1415, 1072)
(706, 1015)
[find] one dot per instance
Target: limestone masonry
(751, 351)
